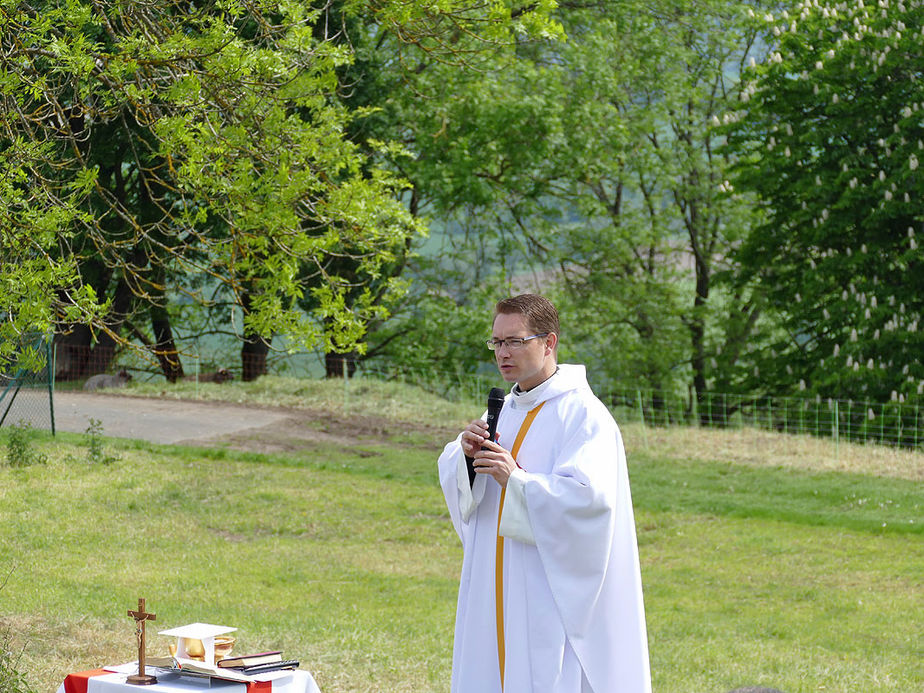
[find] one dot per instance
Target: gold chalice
(223, 646)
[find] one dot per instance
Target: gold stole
(499, 551)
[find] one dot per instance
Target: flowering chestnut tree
(830, 136)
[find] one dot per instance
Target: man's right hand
(473, 436)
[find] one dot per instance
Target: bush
(19, 450)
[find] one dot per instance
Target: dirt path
(145, 418)
(211, 424)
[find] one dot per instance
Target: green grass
(344, 557)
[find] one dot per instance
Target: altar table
(102, 681)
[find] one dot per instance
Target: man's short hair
(539, 312)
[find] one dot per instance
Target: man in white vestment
(550, 597)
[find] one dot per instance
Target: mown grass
(343, 556)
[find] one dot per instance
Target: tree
(829, 135)
(169, 142)
(594, 169)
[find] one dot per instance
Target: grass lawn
(344, 557)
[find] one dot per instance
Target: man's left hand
(494, 460)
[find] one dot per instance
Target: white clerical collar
(527, 399)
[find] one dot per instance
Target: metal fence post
(51, 354)
(836, 429)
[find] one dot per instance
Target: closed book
(251, 659)
(272, 666)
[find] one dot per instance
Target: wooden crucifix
(140, 616)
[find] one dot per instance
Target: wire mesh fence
(891, 423)
(897, 424)
(26, 395)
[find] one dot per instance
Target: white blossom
(913, 162)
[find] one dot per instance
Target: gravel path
(143, 418)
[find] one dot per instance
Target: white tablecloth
(296, 681)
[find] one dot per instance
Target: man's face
(533, 362)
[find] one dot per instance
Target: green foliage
(587, 169)
(20, 450)
(96, 449)
(12, 678)
(206, 152)
(829, 134)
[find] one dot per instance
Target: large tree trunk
(164, 344)
(253, 349)
(107, 340)
(72, 352)
(253, 357)
(338, 365)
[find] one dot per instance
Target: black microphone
(495, 404)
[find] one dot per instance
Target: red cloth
(77, 683)
(260, 687)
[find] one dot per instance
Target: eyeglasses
(512, 342)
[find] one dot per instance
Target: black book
(270, 666)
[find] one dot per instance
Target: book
(195, 668)
(251, 659)
(270, 666)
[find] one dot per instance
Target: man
(550, 598)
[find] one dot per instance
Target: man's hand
(473, 436)
(494, 460)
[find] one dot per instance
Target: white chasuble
(572, 618)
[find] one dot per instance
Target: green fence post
(898, 438)
(836, 432)
(51, 355)
(849, 419)
(882, 423)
